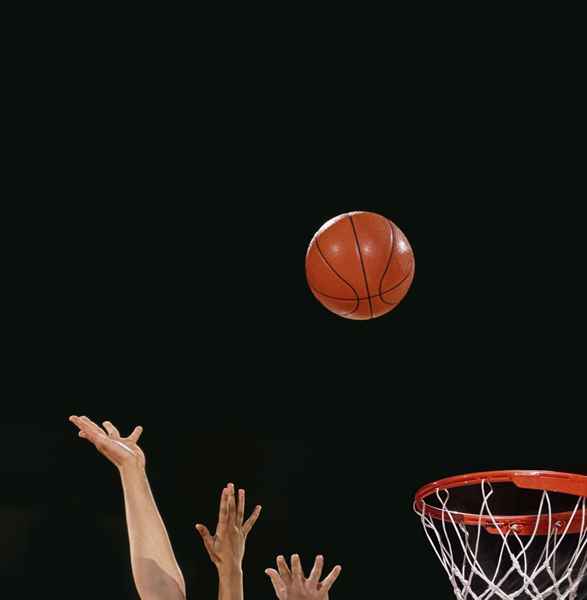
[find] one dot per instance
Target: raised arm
(227, 547)
(156, 573)
(292, 584)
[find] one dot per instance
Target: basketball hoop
(538, 556)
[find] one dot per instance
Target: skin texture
(156, 573)
(292, 584)
(226, 548)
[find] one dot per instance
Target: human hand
(291, 584)
(227, 547)
(121, 451)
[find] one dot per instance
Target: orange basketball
(360, 265)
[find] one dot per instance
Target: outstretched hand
(291, 584)
(121, 451)
(227, 547)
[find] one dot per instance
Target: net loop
(542, 564)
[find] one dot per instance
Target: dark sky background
(159, 280)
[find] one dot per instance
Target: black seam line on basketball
(398, 284)
(390, 256)
(334, 270)
(357, 302)
(339, 276)
(362, 264)
(365, 297)
(316, 291)
(352, 311)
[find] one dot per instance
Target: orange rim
(548, 481)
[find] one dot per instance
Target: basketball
(360, 265)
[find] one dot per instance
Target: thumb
(136, 434)
(206, 538)
(278, 585)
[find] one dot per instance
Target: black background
(196, 322)
(157, 278)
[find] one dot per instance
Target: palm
(231, 541)
(118, 451)
(108, 441)
(284, 594)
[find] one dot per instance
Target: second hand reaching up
(226, 547)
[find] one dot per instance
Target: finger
(240, 513)
(222, 513)
(91, 436)
(93, 433)
(77, 422)
(296, 567)
(136, 434)
(206, 538)
(89, 424)
(316, 572)
(231, 504)
(85, 425)
(250, 522)
(278, 584)
(331, 578)
(283, 569)
(111, 430)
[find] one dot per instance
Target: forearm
(230, 585)
(155, 570)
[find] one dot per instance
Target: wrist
(131, 470)
(230, 570)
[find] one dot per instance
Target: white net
(506, 565)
